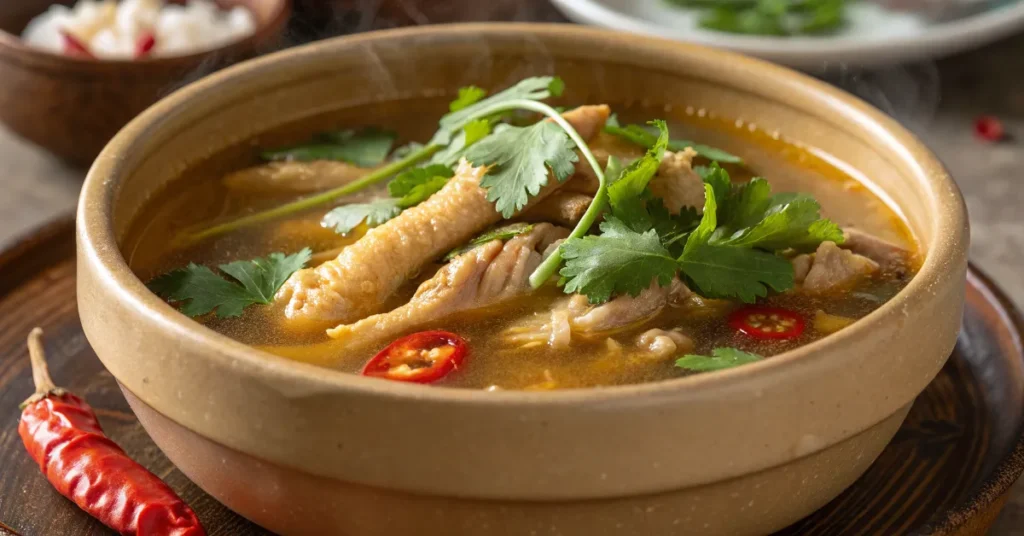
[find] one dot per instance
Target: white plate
(873, 36)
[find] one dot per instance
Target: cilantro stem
(315, 200)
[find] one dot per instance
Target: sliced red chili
(762, 322)
(144, 45)
(74, 46)
(422, 357)
(989, 128)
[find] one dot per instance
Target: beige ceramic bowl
(304, 450)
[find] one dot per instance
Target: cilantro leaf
(735, 272)
(746, 203)
(673, 229)
(633, 180)
(719, 180)
(613, 169)
(753, 217)
(468, 96)
(792, 224)
(619, 261)
(708, 221)
(501, 233)
(721, 358)
(347, 217)
(725, 271)
(628, 193)
(200, 291)
(473, 132)
(645, 137)
(406, 181)
(535, 88)
(477, 130)
(519, 158)
(421, 192)
(366, 148)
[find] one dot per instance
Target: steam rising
(908, 93)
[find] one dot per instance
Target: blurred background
(947, 69)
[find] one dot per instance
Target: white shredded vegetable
(108, 29)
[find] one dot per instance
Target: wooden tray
(947, 471)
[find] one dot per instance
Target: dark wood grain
(947, 471)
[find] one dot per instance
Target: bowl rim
(16, 46)
(98, 244)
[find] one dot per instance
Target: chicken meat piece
(623, 310)
(676, 183)
(562, 208)
(574, 315)
(588, 120)
(886, 254)
(662, 343)
(365, 274)
(833, 268)
(487, 275)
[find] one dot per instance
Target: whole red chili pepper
(64, 437)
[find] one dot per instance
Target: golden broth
(200, 199)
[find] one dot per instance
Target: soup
(523, 246)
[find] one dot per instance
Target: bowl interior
(389, 76)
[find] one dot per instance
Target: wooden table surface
(939, 101)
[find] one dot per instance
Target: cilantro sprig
(730, 253)
(365, 148)
(520, 158)
(720, 359)
(199, 291)
(469, 119)
(409, 188)
(619, 261)
(646, 137)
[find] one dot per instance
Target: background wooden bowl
(72, 107)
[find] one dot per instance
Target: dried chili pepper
(64, 437)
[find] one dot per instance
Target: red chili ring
(762, 322)
(423, 357)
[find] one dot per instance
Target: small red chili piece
(64, 437)
(989, 128)
(422, 357)
(144, 45)
(762, 322)
(75, 47)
